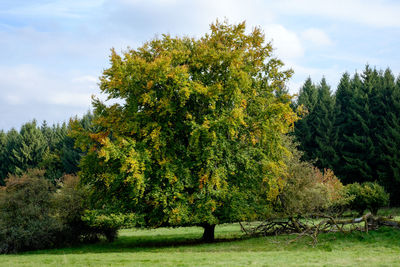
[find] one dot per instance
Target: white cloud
(286, 43)
(29, 92)
(377, 13)
(87, 78)
(29, 85)
(70, 99)
(316, 37)
(332, 74)
(13, 99)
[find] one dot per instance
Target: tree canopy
(195, 137)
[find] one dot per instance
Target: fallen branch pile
(315, 224)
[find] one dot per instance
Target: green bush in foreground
(107, 224)
(26, 213)
(36, 215)
(371, 196)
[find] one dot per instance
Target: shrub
(368, 195)
(26, 213)
(69, 203)
(307, 189)
(79, 223)
(34, 215)
(107, 224)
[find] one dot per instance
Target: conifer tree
(303, 131)
(315, 131)
(387, 136)
(11, 143)
(354, 144)
(29, 148)
(3, 157)
(321, 119)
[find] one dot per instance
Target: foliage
(108, 224)
(368, 195)
(197, 139)
(307, 189)
(26, 213)
(98, 218)
(69, 202)
(80, 225)
(36, 215)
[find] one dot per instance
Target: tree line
(354, 131)
(40, 146)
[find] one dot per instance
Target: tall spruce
(29, 149)
(321, 120)
(303, 131)
(11, 143)
(51, 161)
(3, 157)
(387, 136)
(344, 122)
(354, 144)
(315, 131)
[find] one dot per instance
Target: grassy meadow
(181, 247)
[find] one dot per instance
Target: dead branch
(315, 224)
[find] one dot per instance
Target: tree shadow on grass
(139, 243)
(385, 236)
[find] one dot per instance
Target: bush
(307, 189)
(371, 196)
(34, 215)
(26, 213)
(71, 205)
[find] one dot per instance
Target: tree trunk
(208, 235)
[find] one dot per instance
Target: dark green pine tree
(303, 132)
(55, 137)
(354, 145)
(69, 154)
(380, 106)
(11, 143)
(3, 157)
(29, 149)
(387, 136)
(321, 122)
(346, 123)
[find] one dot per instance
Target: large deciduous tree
(195, 137)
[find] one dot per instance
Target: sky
(52, 53)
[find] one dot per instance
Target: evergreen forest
(355, 129)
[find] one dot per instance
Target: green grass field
(181, 247)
